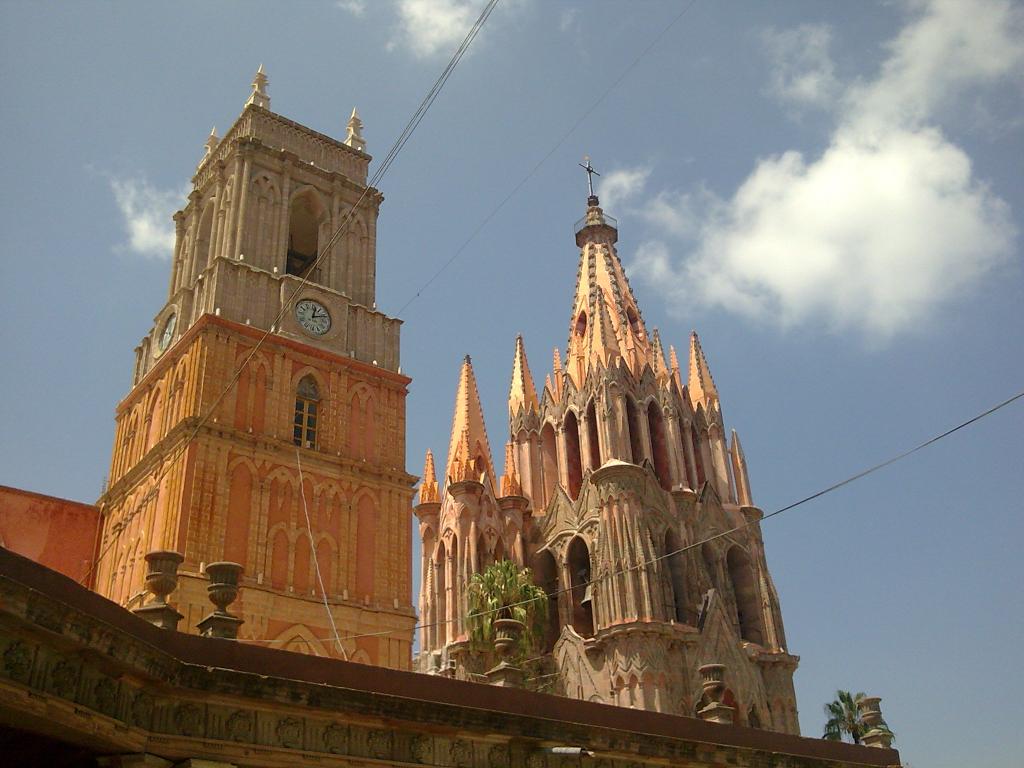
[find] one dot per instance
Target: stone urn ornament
(161, 580)
(877, 733)
(713, 683)
(222, 591)
(508, 634)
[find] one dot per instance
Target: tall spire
(739, 471)
(701, 385)
(259, 96)
(354, 136)
(428, 488)
(522, 393)
(602, 284)
(469, 452)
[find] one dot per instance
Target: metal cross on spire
(591, 173)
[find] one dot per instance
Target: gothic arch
(593, 436)
(746, 594)
(306, 213)
(581, 571)
(204, 246)
(549, 462)
(301, 639)
(659, 444)
(636, 450)
(677, 575)
(573, 456)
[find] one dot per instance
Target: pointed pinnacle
(522, 392)
(700, 383)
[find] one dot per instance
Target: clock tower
(266, 420)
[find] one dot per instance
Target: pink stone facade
(619, 463)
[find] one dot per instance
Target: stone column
(280, 257)
(242, 202)
(675, 449)
(177, 257)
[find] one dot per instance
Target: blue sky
(830, 193)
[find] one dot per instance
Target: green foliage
(504, 591)
(844, 718)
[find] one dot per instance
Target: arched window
(549, 459)
(633, 423)
(698, 459)
(659, 445)
(581, 324)
(546, 576)
(592, 435)
(744, 588)
(204, 242)
(307, 403)
(441, 597)
(305, 214)
(582, 590)
(574, 467)
(677, 575)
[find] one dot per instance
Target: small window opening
(307, 401)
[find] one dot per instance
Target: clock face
(168, 333)
(313, 316)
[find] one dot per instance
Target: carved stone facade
(635, 515)
(83, 682)
(319, 393)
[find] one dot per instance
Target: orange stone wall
(57, 533)
(231, 491)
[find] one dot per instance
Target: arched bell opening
(574, 466)
(659, 445)
(582, 590)
(744, 587)
(545, 573)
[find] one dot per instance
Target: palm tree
(505, 591)
(844, 717)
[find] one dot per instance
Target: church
(622, 495)
(259, 464)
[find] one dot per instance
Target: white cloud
(147, 215)
(355, 7)
(568, 18)
(428, 27)
(616, 187)
(881, 229)
(802, 70)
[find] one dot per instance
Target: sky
(830, 193)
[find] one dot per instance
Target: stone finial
(510, 480)
(522, 392)
(878, 733)
(713, 683)
(469, 452)
(161, 580)
(428, 489)
(354, 135)
(701, 385)
(211, 142)
(223, 590)
(259, 96)
(674, 365)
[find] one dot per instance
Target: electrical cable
(316, 560)
(545, 158)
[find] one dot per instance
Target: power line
(522, 182)
(818, 494)
(388, 161)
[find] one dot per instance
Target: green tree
(503, 590)
(844, 718)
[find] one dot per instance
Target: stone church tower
(322, 395)
(621, 460)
